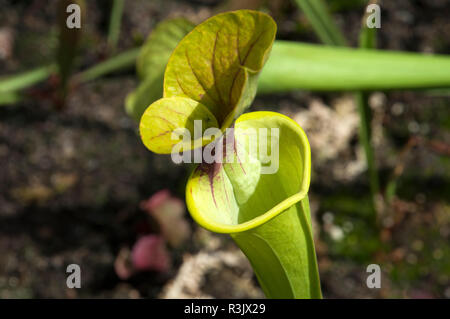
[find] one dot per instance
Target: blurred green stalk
(119, 62)
(295, 65)
(329, 33)
(323, 24)
(367, 40)
(9, 86)
(8, 98)
(114, 23)
(26, 79)
(69, 39)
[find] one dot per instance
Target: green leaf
(218, 62)
(151, 63)
(160, 123)
(266, 213)
(217, 65)
(146, 93)
(160, 44)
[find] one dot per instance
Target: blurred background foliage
(77, 185)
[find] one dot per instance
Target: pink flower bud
(149, 253)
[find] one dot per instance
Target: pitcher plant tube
(212, 77)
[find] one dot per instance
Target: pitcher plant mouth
(203, 216)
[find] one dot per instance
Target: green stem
(26, 79)
(114, 23)
(271, 249)
(10, 97)
(367, 40)
(294, 66)
(367, 37)
(68, 44)
(322, 22)
(119, 62)
(365, 139)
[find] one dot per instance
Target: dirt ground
(72, 182)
